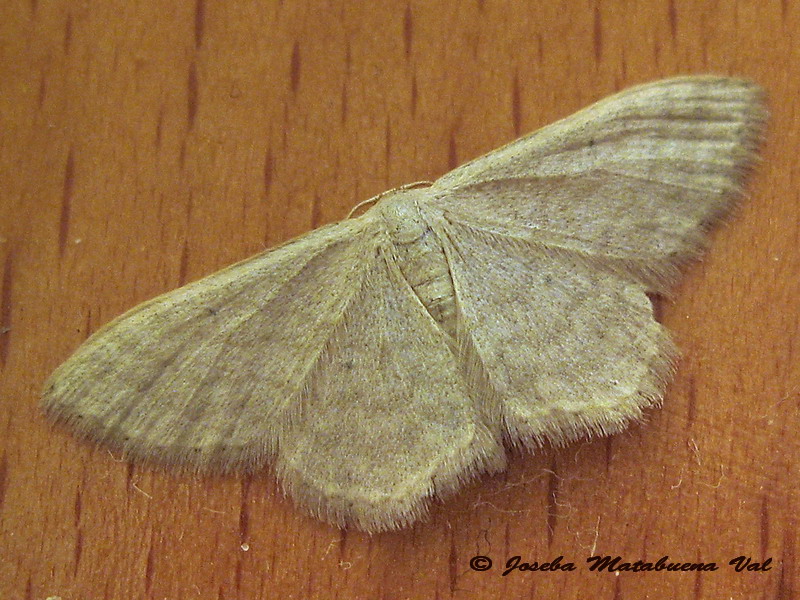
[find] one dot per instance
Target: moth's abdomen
(420, 256)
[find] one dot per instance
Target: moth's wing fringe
(457, 471)
(562, 429)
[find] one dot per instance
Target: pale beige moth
(391, 357)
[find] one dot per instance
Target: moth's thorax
(420, 254)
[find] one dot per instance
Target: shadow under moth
(391, 357)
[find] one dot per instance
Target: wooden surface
(145, 144)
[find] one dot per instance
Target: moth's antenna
(374, 199)
(363, 202)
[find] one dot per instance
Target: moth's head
(405, 195)
(400, 206)
(401, 195)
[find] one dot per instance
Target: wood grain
(145, 144)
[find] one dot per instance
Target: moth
(389, 358)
